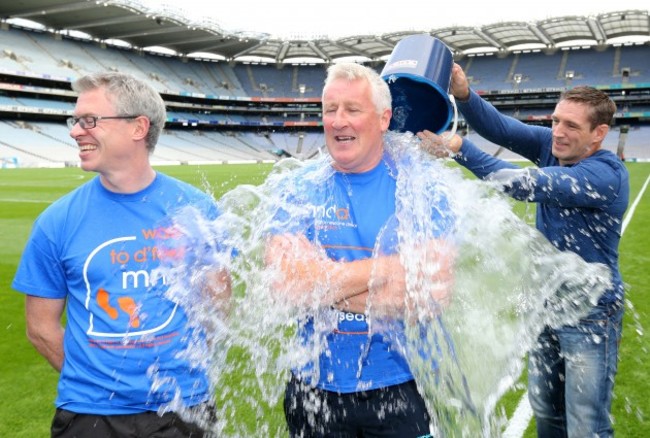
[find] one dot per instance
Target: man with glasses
(95, 254)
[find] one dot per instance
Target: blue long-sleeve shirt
(580, 206)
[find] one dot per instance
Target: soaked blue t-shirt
(348, 214)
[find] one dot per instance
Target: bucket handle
(447, 137)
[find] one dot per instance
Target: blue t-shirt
(347, 215)
(98, 250)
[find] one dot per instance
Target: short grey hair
(131, 97)
(351, 71)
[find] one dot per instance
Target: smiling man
(93, 254)
(353, 125)
(357, 382)
(582, 192)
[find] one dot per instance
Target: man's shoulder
(163, 178)
(303, 180)
(178, 195)
(68, 200)
(186, 188)
(604, 154)
(71, 205)
(607, 158)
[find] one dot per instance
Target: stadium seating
(634, 60)
(538, 70)
(35, 137)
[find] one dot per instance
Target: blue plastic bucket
(418, 74)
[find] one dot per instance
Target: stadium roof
(142, 28)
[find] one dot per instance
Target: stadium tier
(221, 112)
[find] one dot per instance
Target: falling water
(508, 282)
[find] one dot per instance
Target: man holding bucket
(582, 193)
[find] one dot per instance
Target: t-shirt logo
(327, 217)
(124, 298)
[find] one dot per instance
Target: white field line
(630, 212)
(523, 414)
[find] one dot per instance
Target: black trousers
(394, 411)
(67, 424)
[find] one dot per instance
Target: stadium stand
(537, 70)
(633, 64)
(488, 72)
(234, 111)
(288, 81)
(592, 70)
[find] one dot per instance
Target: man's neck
(128, 180)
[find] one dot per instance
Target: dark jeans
(394, 411)
(67, 424)
(571, 376)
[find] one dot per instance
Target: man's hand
(298, 268)
(459, 85)
(218, 290)
(440, 146)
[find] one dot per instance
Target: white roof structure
(133, 23)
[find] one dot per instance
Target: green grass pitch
(28, 384)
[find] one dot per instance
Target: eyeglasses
(89, 122)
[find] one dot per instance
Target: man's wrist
(465, 98)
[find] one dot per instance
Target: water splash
(508, 283)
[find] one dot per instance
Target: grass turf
(28, 384)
